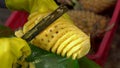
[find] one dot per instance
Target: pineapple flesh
(61, 37)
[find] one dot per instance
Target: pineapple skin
(89, 22)
(96, 6)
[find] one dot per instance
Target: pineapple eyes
(46, 35)
(50, 30)
(56, 26)
(42, 39)
(52, 36)
(56, 32)
(48, 41)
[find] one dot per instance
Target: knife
(45, 22)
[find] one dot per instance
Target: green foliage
(87, 63)
(43, 59)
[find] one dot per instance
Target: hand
(12, 49)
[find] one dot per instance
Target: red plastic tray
(18, 18)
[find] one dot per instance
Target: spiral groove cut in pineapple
(61, 37)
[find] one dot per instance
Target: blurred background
(113, 58)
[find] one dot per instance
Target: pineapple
(88, 21)
(96, 6)
(61, 37)
(92, 24)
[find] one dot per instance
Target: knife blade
(45, 22)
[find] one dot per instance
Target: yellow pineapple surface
(61, 37)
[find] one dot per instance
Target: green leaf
(43, 59)
(5, 31)
(87, 63)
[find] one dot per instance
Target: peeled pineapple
(88, 21)
(61, 37)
